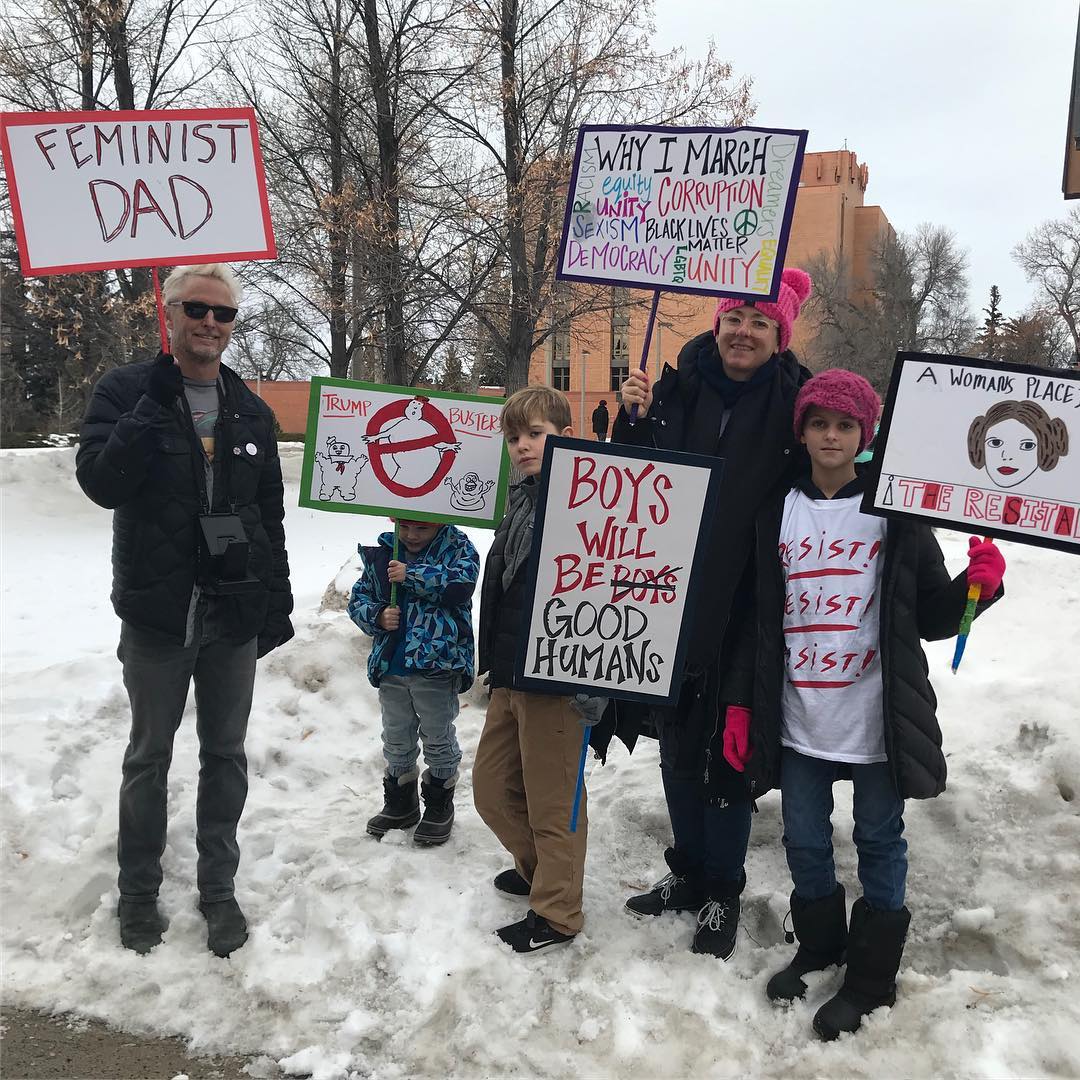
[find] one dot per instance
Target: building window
(560, 358)
(620, 337)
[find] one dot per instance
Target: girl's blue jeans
(806, 785)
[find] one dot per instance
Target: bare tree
(548, 68)
(1050, 259)
(918, 303)
(1038, 337)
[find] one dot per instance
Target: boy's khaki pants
(523, 783)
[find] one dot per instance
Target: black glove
(276, 632)
(165, 381)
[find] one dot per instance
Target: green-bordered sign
(427, 456)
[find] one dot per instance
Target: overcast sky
(958, 108)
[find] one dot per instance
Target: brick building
(590, 360)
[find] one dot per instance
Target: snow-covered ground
(378, 959)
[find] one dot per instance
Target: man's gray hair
(207, 270)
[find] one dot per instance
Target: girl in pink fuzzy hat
(841, 623)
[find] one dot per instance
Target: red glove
(737, 737)
(986, 565)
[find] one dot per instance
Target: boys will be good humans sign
(617, 545)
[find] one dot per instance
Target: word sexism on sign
(122, 145)
(608, 639)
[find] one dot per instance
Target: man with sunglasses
(185, 454)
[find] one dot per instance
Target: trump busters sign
(96, 190)
(616, 548)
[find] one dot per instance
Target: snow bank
(378, 959)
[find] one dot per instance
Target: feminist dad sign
(701, 210)
(425, 455)
(988, 448)
(615, 552)
(97, 190)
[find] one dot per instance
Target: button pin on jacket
(237, 451)
(252, 449)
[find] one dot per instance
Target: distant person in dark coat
(601, 421)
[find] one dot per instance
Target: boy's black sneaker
(532, 934)
(510, 881)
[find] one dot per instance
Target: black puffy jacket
(138, 459)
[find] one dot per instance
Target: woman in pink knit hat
(732, 396)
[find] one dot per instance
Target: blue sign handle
(580, 779)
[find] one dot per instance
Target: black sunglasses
(196, 309)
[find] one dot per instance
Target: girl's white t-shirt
(832, 700)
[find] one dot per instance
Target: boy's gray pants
(157, 675)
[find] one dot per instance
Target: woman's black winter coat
(761, 455)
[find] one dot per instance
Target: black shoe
(226, 927)
(821, 929)
(532, 934)
(510, 881)
(875, 946)
(718, 920)
(401, 804)
(141, 925)
(681, 890)
(438, 819)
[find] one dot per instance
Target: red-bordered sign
(381, 444)
(104, 190)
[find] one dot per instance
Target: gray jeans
(424, 706)
(157, 675)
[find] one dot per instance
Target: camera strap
(197, 455)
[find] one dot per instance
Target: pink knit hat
(794, 289)
(845, 392)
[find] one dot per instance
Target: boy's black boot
(682, 890)
(438, 819)
(718, 919)
(875, 945)
(141, 925)
(401, 804)
(226, 927)
(821, 929)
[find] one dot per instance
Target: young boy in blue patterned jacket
(421, 659)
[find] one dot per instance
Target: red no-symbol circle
(377, 450)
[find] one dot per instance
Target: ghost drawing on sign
(421, 447)
(1015, 439)
(338, 470)
(468, 494)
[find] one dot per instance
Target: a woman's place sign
(112, 189)
(989, 448)
(704, 210)
(615, 550)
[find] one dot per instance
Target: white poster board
(427, 455)
(987, 448)
(616, 545)
(699, 210)
(96, 190)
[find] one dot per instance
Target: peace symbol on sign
(746, 222)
